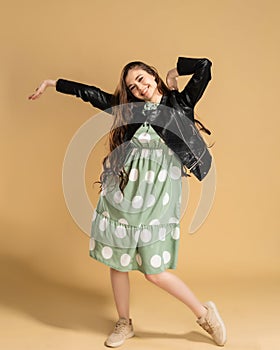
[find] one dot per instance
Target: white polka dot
(103, 224)
(176, 233)
(144, 137)
(150, 176)
(118, 197)
(156, 261)
(107, 252)
(151, 200)
(123, 221)
(159, 152)
(125, 259)
(165, 199)
(137, 202)
(154, 222)
(173, 220)
(133, 175)
(105, 213)
(162, 233)
(136, 235)
(145, 153)
(94, 215)
(162, 175)
(92, 244)
(170, 152)
(175, 173)
(145, 235)
(166, 257)
(138, 259)
(120, 231)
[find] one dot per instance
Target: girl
(135, 225)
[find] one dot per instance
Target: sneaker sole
(213, 306)
(115, 345)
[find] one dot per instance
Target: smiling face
(142, 85)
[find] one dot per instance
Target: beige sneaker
(123, 330)
(213, 324)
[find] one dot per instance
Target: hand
(171, 79)
(42, 88)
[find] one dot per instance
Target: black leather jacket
(173, 119)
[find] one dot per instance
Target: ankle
(124, 317)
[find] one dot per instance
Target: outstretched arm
(98, 98)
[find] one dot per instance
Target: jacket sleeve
(200, 68)
(98, 98)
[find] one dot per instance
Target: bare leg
(176, 287)
(121, 289)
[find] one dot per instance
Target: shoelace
(120, 327)
(208, 326)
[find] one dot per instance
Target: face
(142, 84)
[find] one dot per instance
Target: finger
(31, 96)
(34, 96)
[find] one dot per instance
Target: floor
(39, 314)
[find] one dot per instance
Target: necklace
(148, 106)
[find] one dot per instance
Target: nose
(139, 87)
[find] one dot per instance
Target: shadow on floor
(25, 290)
(191, 336)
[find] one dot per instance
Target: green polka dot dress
(139, 230)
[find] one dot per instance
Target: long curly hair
(113, 166)
(113, 162)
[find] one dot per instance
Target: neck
(156, 97)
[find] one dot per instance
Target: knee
(154, 278)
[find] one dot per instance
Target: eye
(132, 87)
(140, 78)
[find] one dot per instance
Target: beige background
(52, 293)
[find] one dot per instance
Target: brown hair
(113, 163)
(123, 97)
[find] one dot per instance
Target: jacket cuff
(65, 86)
(187, 66)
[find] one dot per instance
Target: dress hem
(171, 267)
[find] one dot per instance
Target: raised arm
(98, 98)
(200, 68)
